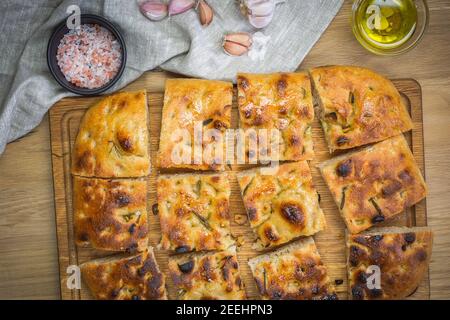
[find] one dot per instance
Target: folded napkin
(179, 44)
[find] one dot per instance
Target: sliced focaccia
(374, 184)
(281, 204)
(110, 214)
(112, 141)
(357, 106)
(194, 212)
(280, 103)
(400, 256)
(125, 278)
(207, 276)
(195, 116)
(293, 272)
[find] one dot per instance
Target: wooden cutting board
(65, 117)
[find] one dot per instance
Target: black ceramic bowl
(52, 49)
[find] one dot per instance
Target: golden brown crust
(293, 272)
(112, 141)
(194, 212)
(374, 184)
(357, 106)
(110, 214)
(191, 102)
(208, 276)
(281, 101)
(281, 205)
(402, 256)
(125, 278)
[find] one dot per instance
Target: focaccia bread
(194, 212)
(281, 205)
(401, 254)
(374, 184)
(207, 276)
(281, 102)
(125, 278)
(110, 214)
(112, 141)
(293, 272)
(195, 106)
(357, 106)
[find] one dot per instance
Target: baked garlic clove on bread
(110, 214)
(207, 276)
(293, 272)
(357, 106)
(374, 184)
(112, 141)
(194, 212)
(192, 106)
(401, 254)
(281, 205)
(281, 102)
(125, 278)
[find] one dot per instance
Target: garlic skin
(154, 10)
(237, 44)
(180, 6)
(205, 13)
(259, 12)
(259, 47)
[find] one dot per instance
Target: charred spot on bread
(344, 169)
(293, 213)
(342, 140)
(271, 234)
(410, 237)
(357, 293)
(182, 249)
(187, 267)
(391, 188)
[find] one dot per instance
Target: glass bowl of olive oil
(389, 27)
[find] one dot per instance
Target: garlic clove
(243, 38)
(180, 6)
(260, 22)
(260, 8)
(154, 10)
(259, 12)
(234, 49)
(237, 44)
(205, 13)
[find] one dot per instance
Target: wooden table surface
(28, 249)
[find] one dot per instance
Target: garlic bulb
(180, 6)
(154, 9)
(259, 12)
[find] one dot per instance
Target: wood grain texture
(28, 254)
(65, 118)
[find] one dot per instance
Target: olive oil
(386, 24)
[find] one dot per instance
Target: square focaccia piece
(387, 263)
(194, 212)
(293, 272)
(282, 103)
(110, 214)
(281, 205)
(207, 276)
(374, 184)
(112, 141)
(357, 106)
(195, 117)
(125, 278)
